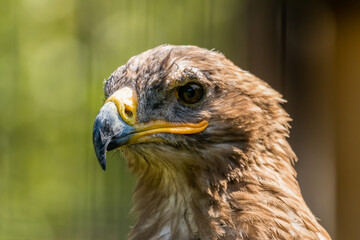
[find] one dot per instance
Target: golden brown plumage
(224, 169)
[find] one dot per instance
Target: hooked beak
(110, 131)
(115, 125)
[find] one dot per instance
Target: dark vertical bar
(348, 118)
(264, 32)
(283, 25)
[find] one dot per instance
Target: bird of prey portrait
(207, 143)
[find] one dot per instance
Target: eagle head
(207, 141)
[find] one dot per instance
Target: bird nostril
(128, 113)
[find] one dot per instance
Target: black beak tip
(100, 155)
(103, 164)
(100, 145)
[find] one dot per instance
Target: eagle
(207, 142)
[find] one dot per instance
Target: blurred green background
(55, 55)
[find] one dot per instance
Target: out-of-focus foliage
(54, 57)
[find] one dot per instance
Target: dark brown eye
(190, 93)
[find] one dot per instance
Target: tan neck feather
(259, 198)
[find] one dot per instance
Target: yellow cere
(126, 104)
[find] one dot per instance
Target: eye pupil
(190, 93)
